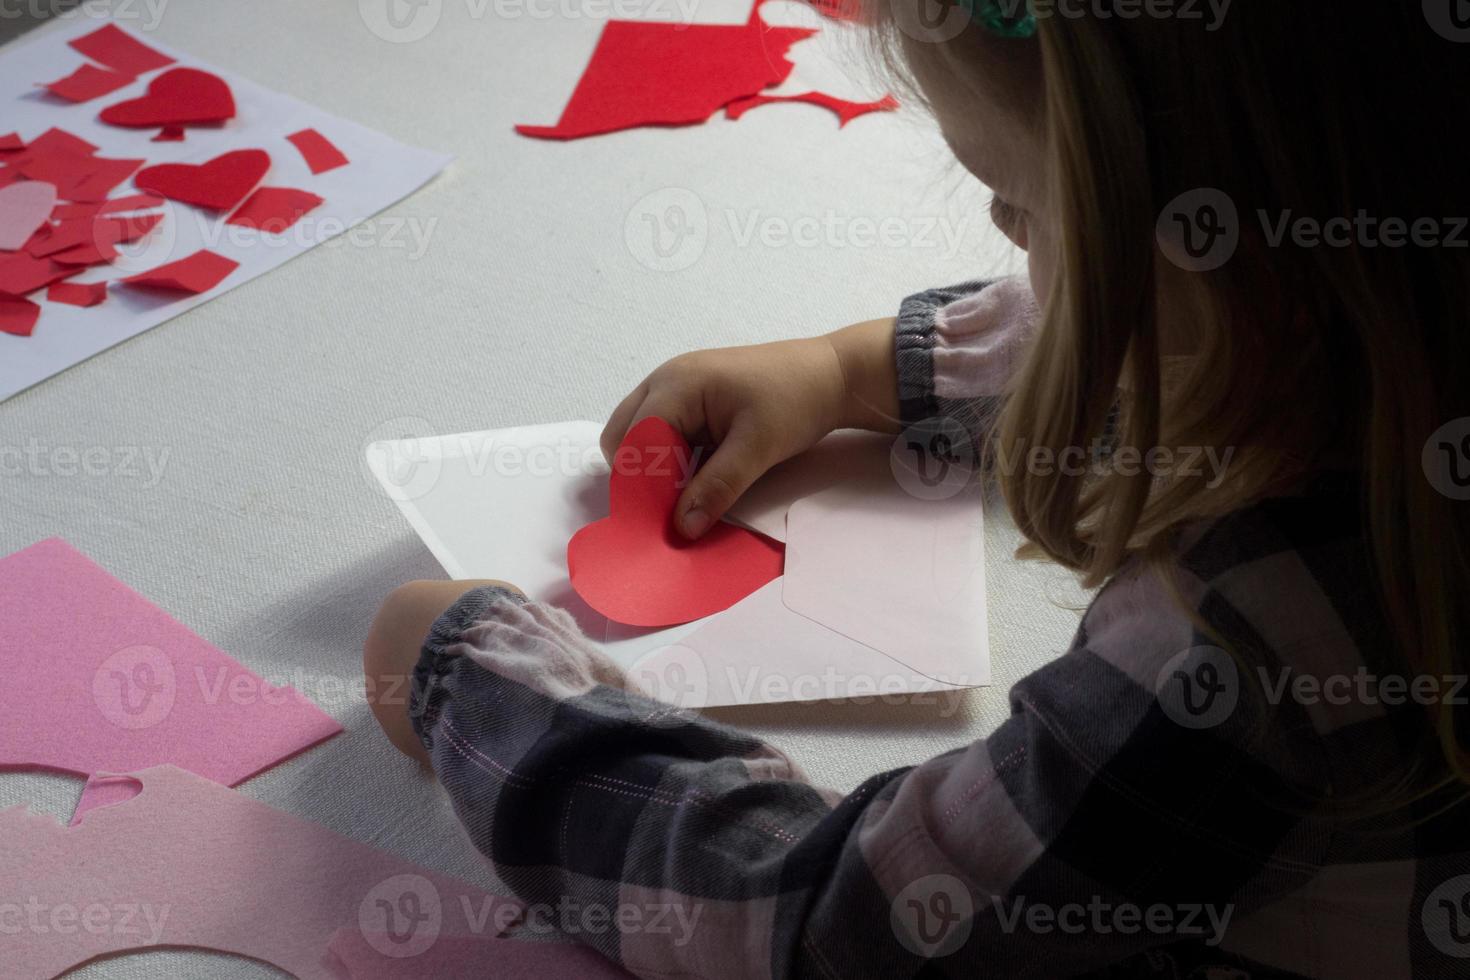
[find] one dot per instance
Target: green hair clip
(992, 15)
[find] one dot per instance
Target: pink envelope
(883, 593)
(101, 680)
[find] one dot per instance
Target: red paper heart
(184, 96)
(635, 568)
(219, 184)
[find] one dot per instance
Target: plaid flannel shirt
(1154, 805)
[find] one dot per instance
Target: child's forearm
(866, 355)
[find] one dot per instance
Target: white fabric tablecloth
(519, 287)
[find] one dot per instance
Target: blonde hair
(1306, 358)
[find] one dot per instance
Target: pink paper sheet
(191, 863)
(98, 679)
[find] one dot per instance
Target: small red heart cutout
(635, 568)
(219, 184)
(182, 96)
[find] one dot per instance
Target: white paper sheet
(381, 172)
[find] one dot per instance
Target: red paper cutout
(182, 96)
(274, 209)
(100, 182)
(635, 568)
(86, 241)
(117, 49)
(218, 185)
(197, 273)
(133, 202)
(645, 74)
(77, 293)
(21, 273)
(169, 134)
(57, 141)
(88, 82)
(18, 316)
(318, 152)
(846, 111)
(11, 142)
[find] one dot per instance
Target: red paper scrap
(88, 82)
(635, 568)
(846, 111)
(11, 142)
(318, 152)
(18, 316)
(8, 176)
(21, 273)
(100, 182)
(169, 134)
(77, 293)
(274, 209)
(116, 48)
(86, 241)
(646, 74)
(837, 9)
(57, 141)
(218, 185)
(197, 273)
(180, 96)
(132, 202)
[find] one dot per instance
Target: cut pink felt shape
(274, 209)
(117, 49)
(845, 110)
(88, 82)
(217, 184)
(198, 273)
(204, 866)
(18, 316)
(24, 207)
(180, 96)
(318, 152)
(635, 568)
(102, 680)
(77, 293)
(647, 74)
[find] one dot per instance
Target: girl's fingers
(737, 463)
(621, 421)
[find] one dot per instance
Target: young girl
(1246, 233)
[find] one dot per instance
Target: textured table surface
(521, 286)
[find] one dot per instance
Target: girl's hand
(761, 405)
